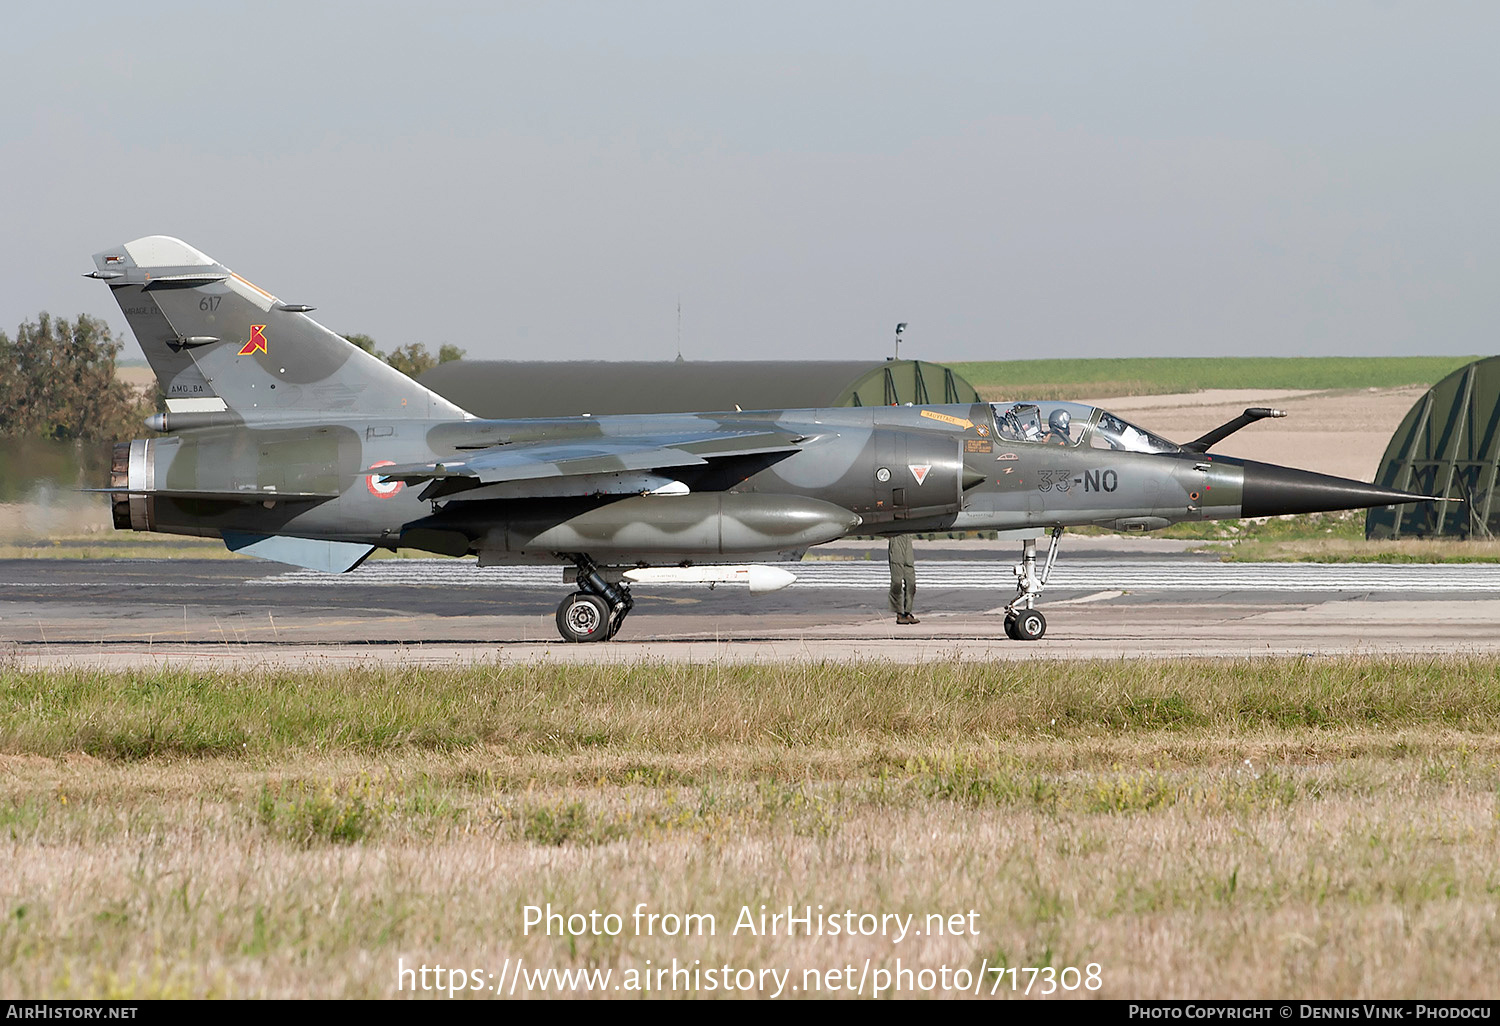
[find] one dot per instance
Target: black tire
(583, 617)
(1030, 625)
(1010, 626)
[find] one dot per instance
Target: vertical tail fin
(217, 342)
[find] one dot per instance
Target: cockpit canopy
(1073, 424)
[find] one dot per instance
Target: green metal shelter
(1449, 445)
(517, 388)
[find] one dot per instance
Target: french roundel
(380, 487)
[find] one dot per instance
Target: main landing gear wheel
(596, 611)
(584, 617)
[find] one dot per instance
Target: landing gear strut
(1023, 621)
(597, 609)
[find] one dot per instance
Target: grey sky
(544, 180)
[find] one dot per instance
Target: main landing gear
(597, 609)
(1023, 621)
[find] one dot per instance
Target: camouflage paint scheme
(289, 442)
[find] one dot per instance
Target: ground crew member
(903, 577)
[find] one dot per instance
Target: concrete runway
(1110, 598)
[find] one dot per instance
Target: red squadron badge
(257, 343)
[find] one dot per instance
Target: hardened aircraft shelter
(1448, 445)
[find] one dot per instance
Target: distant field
(111, 544)
(1323, 538)
(135, 375)
(1308, 828)
(1057, 379)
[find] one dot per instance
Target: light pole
(899, 329)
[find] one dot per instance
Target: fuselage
(870, 470)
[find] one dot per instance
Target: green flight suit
(903, 574)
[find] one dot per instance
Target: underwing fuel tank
(711, 522)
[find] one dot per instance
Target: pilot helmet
(1059, 421)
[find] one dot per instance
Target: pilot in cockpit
(1057, 428)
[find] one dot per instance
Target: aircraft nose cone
(1271, 491)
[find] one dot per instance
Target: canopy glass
(1073, 424)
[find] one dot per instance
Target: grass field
(1323, 538)
(108, 543)
(1075, 379)
(1309, 828)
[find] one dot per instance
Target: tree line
(58, 380)
(413, 360)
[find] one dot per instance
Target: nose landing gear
(1023, 621)
(596, 611)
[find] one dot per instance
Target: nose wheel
(1027, 626)
(1023, 621)
(596, 611)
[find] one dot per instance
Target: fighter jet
(290, 443)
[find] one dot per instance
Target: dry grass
(1313, 828)
(1028, 379)
(120, 545)
(1346, 550)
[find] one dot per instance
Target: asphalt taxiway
(1108, 599)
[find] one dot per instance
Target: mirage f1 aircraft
(289, 443)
